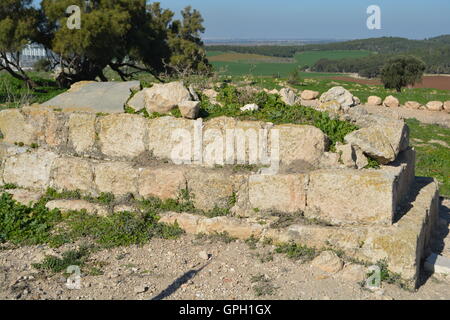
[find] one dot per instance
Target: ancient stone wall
(365, 212)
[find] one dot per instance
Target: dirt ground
(179, 269)
(431, 82)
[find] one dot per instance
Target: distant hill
(435, 52)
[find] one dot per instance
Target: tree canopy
(402, 71)
(18, 27)
(127, 35)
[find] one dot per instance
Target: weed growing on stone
(251, 242)
(119, 229)
(297, 252)
(390, 277)
(373, 164)
(272, 109)
(24, 225)
(69, 258)
(262, 285)
(216, 237)
(9, 186)
(104, 198)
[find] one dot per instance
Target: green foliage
(184, 203)
(349, 56)
(9, 186)
(221, 237)
(24, 225)
(120, 229)
(188, 54)
(128, 36)
(262, 285)
(373, 164)
(433, 156)
(296, 252)
(390, 277)
(18, 26)
(105, 198)
(69, 258)
(294, 77)
(42, 65)
(14, 92)
(272, 109)
(402, 71)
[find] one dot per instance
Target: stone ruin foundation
(369, 214)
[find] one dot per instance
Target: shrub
(402, 71)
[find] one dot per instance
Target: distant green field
(309, 58)
(276, 68)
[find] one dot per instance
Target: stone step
(403, 245)
(437, 264)
(337, 196)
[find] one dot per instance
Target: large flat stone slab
(106, 97)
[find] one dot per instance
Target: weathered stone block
(71, 173)
(29, 170)
(25, 197)
(234, 227)
(77, 205)
(381, 142)
(187, 222)
(14, 127)
(165, 133)
(405, 244)
(82, 131)
(301, 146)
(281, 193)
(404, 170)
(352, 197)
(209, 188)
(106, 97)
(240, 142)
(163, 183)
(122, 135)
(49, 126)
(119, 178)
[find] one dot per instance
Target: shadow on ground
(177, 283)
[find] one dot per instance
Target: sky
(317, 19)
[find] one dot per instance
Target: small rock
(140, 289)
(391, 102)
(354, 273)
(163, 98)
(189, 109)
(203, 255)
(413, 105)
(447, 106)
(194, 94)
(250, 107)
(288, 96)
(340, 95)
(435, 105)
(374, 101)
(329, 262)
(347, 154)
(309, 95)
